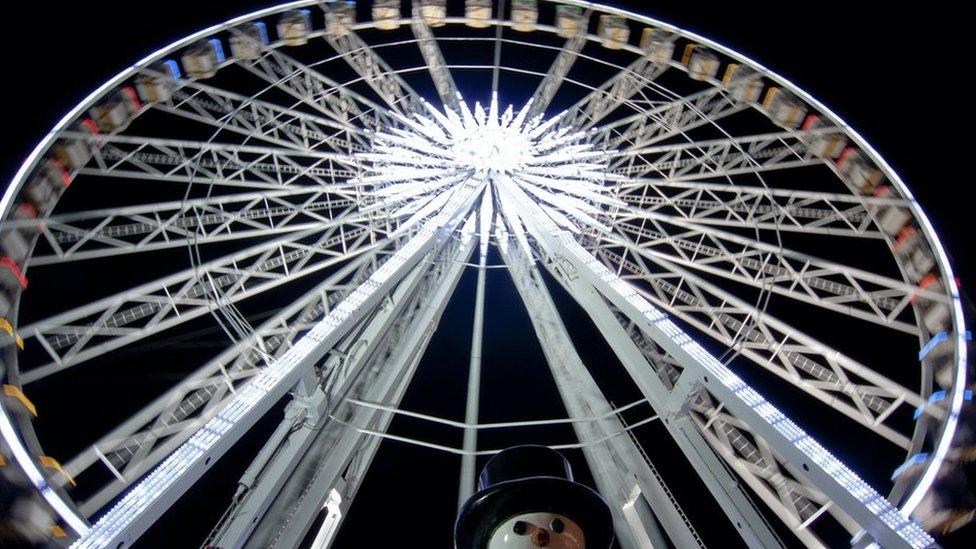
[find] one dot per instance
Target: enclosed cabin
(569, 21)
(613, 30)
(783, 108)
(702, 62)
(857, 172)
(434, 12)
(525, 15)
(26, 517)
(294, 27)
(948, 504)
(203, 59)
(890, 211)
(247, 41)
(744, 83)
(156, 82)
(659, 45)
(115, 111)
(964, 443)
(74, 148)
(939, 357)
(822, 143)
(44, 188)
(14, 244)
(386, 14)
(913, 254)
(11, 276)
(339, 18)
(934, 308)
(477, 13)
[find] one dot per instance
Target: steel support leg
(640, 501)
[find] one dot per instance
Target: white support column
(467, 484)
(133, 514)
(305, 418)
(727, 491)
(850, 494)
(380, 371)
(641, 504)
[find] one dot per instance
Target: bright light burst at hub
(418, 164)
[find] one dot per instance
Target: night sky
(894, 75)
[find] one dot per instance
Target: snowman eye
(557, 526)
(520, 528)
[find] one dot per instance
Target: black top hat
(531, 479)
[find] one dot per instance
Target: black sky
(898, 76)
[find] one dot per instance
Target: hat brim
(489, 508)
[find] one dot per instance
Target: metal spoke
(819, 370)
(722, 158)
(841, 288)
(313, 88)
(667, 120)
(439, 72)
(131, 229)
(376, 72)
(613, 93)
(98, 327)
(256, 118)
(243, 166)
(745, 207)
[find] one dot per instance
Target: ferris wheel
(311, 181)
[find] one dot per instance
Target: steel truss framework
(367, 203)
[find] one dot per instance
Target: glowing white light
(411, 165)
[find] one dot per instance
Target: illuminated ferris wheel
(712, 221)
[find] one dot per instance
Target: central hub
(491, 148)
(412, 168)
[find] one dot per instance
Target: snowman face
(531, 530)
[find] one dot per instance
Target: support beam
(380, 369)
(130, 517)
(377, 73)
(557, 73)
(436, 65)
(350, 373)
(109, 232)
(641, 503)
(613, 93)
(850, 495)
(210, 163)
(466, 483)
